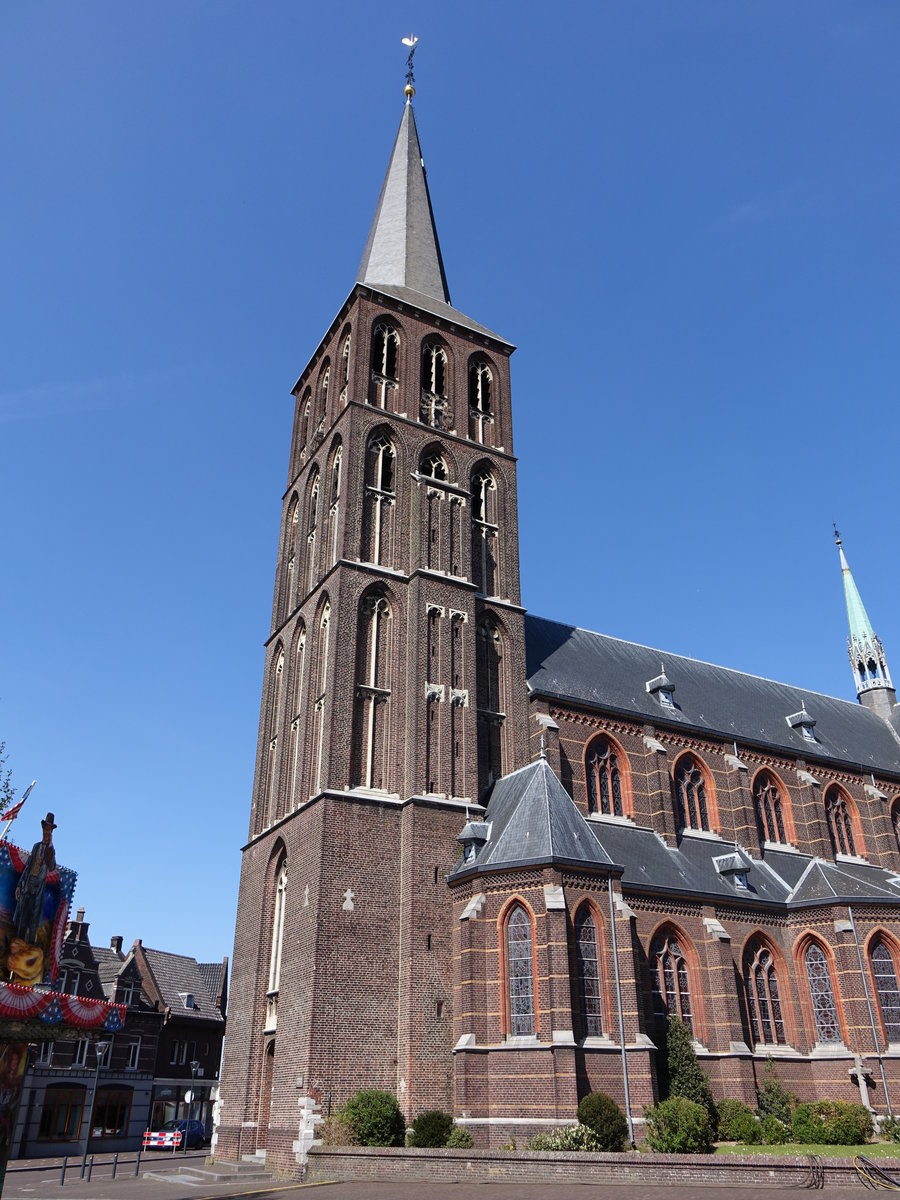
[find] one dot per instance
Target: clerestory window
(604, 780)
(769, 808)
(692, 807)
(840, 822)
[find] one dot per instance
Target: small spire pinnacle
(871, 674)
(543, 748)
(409, 91)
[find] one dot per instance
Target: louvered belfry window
(886, 986)
(521, 973)
(763, 996)
(588, 973)
(822, 994)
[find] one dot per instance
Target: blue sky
(685, 216)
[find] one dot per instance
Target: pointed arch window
(296, 718)
(604, 778)
(763, 995)
(334, 504)
(481, 410)
(345, 368)
(323, 393)
(671, 981)
(588, 973)
(277, 930)
(312, 521)
(769, 808)
(433, 467)
(434, 386)
(321, 663)
(268, 805)
(520, 968)
(378, 514)
(691, 801)
(371, 752)
(821, 992)
(384, 365)
(484, 533)
(895, 820)
(305, 410)
(490, 693)
(289, 577)
(884, 972)
(840, 822)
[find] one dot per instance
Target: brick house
(488, 852)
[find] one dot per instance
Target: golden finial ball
(409, 90)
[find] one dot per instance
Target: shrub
(601, 1113)
(773, 1132)
(747, 1129)
(337, 1131)
(772, 1097)
(832, 1123)
(375, 1118)
(889, 1128)
(683, 1073)
(460, 1139)
(678, 1126)
(572, 1137)
(431, 1128)
(728, 1112)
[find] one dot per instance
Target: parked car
(192, 1130)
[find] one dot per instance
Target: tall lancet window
(821, 990)
(277, 931)
(884, 971)
(895, 820)
(380, 500)
(320, 690)
(840, 821)
(371, 757)
(269, 798)
(434, 386)
(296, 719)
(322, 407)
(588, 973)
(763, 994)
(312, 524)
(691, 800)
(490, 692)
(604, 778)
(670, 980)
(437, 531)
(334, 504)
(520, 972)
(484, 533)
(384, 367)
(769, 808)
(306, 422)
(287, 599)
(481, 410)
(345, 369)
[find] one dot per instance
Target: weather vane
(411, 41)
(837, 536)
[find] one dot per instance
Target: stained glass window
(822, 993)
(763, 997)
(521, 973)
(690, 792)
(840, 826)
(769, 807)
(604, 782)
(588, 973)
(671, 986)
(886, 986)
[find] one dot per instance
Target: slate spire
(871, 675)
(403, 249)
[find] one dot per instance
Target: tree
(683, 1072)
(7, 791)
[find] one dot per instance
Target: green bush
(772, 1097)
(460, 1139)
(727, 1112)
(683, 1074)
(571, 1137)
(430, 1129)
(678, 1126)
(889, 1128)
(832, 1123)
(375, 1118)
(773, 1132)
(747, 1129)
(337, 1131)
(601, 1113)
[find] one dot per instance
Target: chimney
(79, 916)
(115, 943)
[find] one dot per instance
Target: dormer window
(126, 993)
(735, 868)
(804, 723)
(662, 688)
(474, 835)
(187, 999)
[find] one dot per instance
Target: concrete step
(217, 1173)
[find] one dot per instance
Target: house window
(769, 808)
(434, 376)
(111, 1111)
(521, 973)
(885, 973)
(763, 997)
(61, 1114)
(671, 985)
(79, 1058)
(134, 1055)
(481, 413)
(45, 1053)
(68, 980)
(822, 994)
(840, 824)
(588, 973)
(690, 795)
(126, 993)
(604, 782)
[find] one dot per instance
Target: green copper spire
(867, 658)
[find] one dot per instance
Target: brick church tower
(394, 693)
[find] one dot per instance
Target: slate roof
(604, 672)
(213, 976)
(109, 964)
(176, 974)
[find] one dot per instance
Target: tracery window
(312, 520)
(690, 795)
(305, 418)
(895, 820)
(334, 507)
(604, 781)
(319, 697)
(884, 971)
(767, 795)
(371, 755)
(268, 804)
(520, 966)
(763, 996)
(484, 533)
(384, 365)
(671, 983)
(481, 413)
(490, 682)
(588, 973)
(345, 368)
(289, 561)
(434, 385)
(379, 502)
(277, 930)
(296, 721)
(822, 994)
(840, 823)
(433, 467)
(323, 391)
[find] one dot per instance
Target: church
(488, 852)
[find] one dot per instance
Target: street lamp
(195, 1067)
(100, 1049)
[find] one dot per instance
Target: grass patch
(789, 1149)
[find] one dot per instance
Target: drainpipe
(862, 971)
(615, 953)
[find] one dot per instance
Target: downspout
(615, 954)
(862, 971)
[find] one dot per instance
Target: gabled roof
(532, 820)
(215, 979)
(604, 672)
(176, 976)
